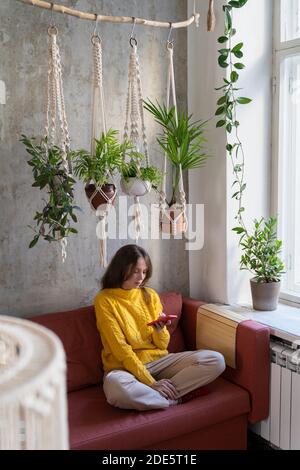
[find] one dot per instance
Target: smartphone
(162, 319)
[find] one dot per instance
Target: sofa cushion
(78, 331)
(130, 429)
(172, 305)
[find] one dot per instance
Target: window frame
(281, 50)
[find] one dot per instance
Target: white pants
(187, 370)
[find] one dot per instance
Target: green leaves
(47, 164)
(227, 104)
(181, 139)
(106, 160)
(261, 250)
(243, 100)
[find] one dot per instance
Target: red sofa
(217, 420)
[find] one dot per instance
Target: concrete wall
(214, 271)
(35, 281)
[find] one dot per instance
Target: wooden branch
(110, 19)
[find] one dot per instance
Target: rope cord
(134, 104)
(98, 125)
(56, 111)
(55, 100)
(171, 90)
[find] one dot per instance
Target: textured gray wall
(35, 281)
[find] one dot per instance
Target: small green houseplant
(149, 176)
(54, 221)
(97, 169)
(181, 139)
(261, 250)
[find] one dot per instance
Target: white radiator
(282, 427)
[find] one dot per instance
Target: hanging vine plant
(229, 58)
(260, 246)
(53, 223)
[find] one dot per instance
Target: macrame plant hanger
(56, 112)
(171, 216)
(99, 125)
(134, 116)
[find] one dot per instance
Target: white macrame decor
(135, 128)
(56, 112)
(99, 125)
(33, 401)
(173, 219)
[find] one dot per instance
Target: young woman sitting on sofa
(139, 372)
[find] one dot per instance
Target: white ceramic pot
(135, 186)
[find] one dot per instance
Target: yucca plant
(181, 139)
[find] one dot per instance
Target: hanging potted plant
(47, 163)
(261, 257)
(97, 170)
(136, 180)
(182, 141)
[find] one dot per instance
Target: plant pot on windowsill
(97, 198)
(265, 294)
(134, 186)
(173, 220)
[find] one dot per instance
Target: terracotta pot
(265, 295)
(135, 186)
(98, 199)
(173, 228)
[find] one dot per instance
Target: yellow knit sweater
(128, 343)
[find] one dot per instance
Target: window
(286, 150)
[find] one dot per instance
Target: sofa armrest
(252, 357)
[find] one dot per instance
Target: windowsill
(283, 322)
(290, 298)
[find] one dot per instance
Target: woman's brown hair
(123, 264)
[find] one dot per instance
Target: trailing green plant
(181, 139)
(261, 251)
(54, 221)
(106, 160)
(229, 59)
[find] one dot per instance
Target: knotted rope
(99, 124)
(56, 111)
(134, 120)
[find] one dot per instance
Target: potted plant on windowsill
(182, 141)
(138, 181)
(261, 257)
(97, 169)
(54, 221)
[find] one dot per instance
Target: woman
(139, 372)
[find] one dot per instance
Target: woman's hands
(159, 326)
(166, 388)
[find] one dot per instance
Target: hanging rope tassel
(137, 218)
(211, 18)
(63, 244)
(101, 235)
